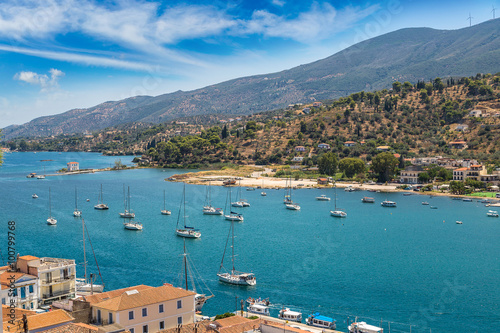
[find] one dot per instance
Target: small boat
(40, 177)
(127, 214)
(457, 198)
(31, 175)
(164, 211)
(407, 194)
(100, 205)
(467, 200)
(232, 216)
(458, 222)
(292, 206)
(425, 203)
(286, 314)
(288, 192)
(76, 212)
(434, 207)
(263, 193)
(209, 209)
(318, 320)
(188, 232)
(387, 203)
(492, 213)
(349, 189)
(485, 201)
(368, 200)
(362, 327)
(88, 200)
(259, 301)
(250, 189)
(240, 202)
(34, 196)
(258, 309)
(323, 198)
(51, 220)
(132, 225)
(233, 276)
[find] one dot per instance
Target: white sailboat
(164, 211)
(100, 204)
(127, 214)
(240, 202)
(208, 209)
(34, 196)
(189, 270)
(51, 220)
(188, 232)
(337, 212)
(288, 191)
(41, 176)
(232, 216)
(76, 212)
(132, 225)
(263, 193)
(290, 204)
(233, 276)
(86, 284)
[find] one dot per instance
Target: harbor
(304, 260)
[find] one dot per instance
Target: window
(179, 304)
(14, 292)
(130, 315)
(160, 308)
(162, 325)
(179, 320)
(110, 318)
(145, 312)
(99, 316)
(3, 301)
(31, 288)
(132, 330)
(145, 329)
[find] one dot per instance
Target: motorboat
(368, 200)
(425, 203)
(34, 196)
(318, 320)
(467, 200)
(293, 206)
(387, 203)
(258, 309)
(287, 314)
(323, 197)
(362, 327)
(458, 222)
(492, 213)
(259, 300)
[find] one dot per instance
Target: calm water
(405, 265)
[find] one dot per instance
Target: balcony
(47, 282)
(66, 292)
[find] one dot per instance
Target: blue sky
(57, 55)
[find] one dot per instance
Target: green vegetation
(225, 315)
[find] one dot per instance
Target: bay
(409, 265)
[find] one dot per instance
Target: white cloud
(46, 82)
(279, 3)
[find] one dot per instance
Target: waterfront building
(56, 277)
(19, 289)
(410, 174)
(148, 309)
(73, 166)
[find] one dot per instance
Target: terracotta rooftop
(73, 328)
(39, 321)
(457, 142)
(234, 324)
(97, 298)
(280, 326)
(144, 297)
(461, 169)
(18, 312)
(5, 278)
(28, 257)
(230, 321)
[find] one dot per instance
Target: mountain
(405, 55)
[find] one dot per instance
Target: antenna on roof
(470, 20)
(493, 11)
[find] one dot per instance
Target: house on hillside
(349, 143)
(322, 181)
(324, 146)
(475, 113)
(300, 148)
(306, 110)
(297, 159)
(462, 128)
(458, 144)
(317, 104)
(383, 148)
(410, 174)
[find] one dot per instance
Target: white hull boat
(258, 309)
(165, 211)
(318, 320)
(362, 327)
(388, 203)
(34, 196)
(492, 213)
(209, 210)
(51, 221)
(323, 198)
(338, 213)
(234, 217)
(188, 233)
(286, 314)
(243, 279)
(132, 225)
(293, 206)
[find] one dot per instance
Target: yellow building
(145, 310)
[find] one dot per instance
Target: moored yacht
(368, 200)
(323, 198)
(258, 309)
(388, 203)
(287, 314)
(132, 225)
(318, 320)
(492, 213)
(362, 327)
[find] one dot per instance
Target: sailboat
(240, 202)
(234, 277)
(100, 205)
(291, 205)
(337, 212)
(76, 212)
(208, 209)
(51, 220)
(232, 216)
(41, 176)
(87, 284)
(263, 193)
(164, 210)
(128, 214)
(188, 232)
(189, 270)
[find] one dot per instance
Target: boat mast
(76, 200)
(84, 253)
(50, 205)
(232, 245)
(164, 200)
(184, 204)
(185, 265)
(128, 199)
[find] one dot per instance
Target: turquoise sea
(409, 265)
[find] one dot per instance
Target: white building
(73, 166)
(19, 289)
